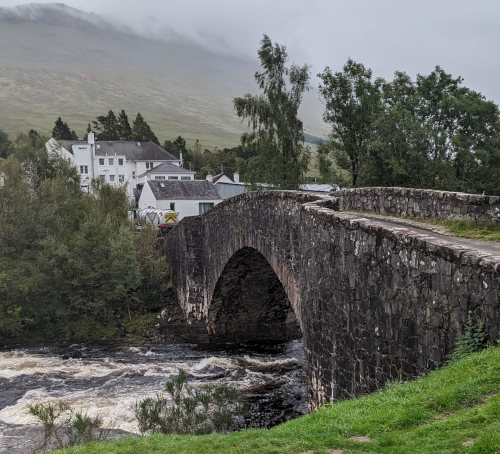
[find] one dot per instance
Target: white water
(109, 384)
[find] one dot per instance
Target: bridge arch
(249, 303)
(374, 302)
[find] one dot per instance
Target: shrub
(472, 339)
(186, 410)
(63, 427)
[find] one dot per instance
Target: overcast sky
(461, 36)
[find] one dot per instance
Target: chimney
(210, 177)
(236, 177)
(91, 138)
(180, 157)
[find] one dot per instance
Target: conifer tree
(5, 144)
(106, 126)
(141, 131)
(61, 131)
(124, 129)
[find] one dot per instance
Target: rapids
(108, 383)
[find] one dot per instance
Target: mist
(386, 35)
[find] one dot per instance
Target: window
(120, 161)
(84, 169)
(101, 161)
(149, 165)
(159, 177)
(102, 178)
(121, 178)
(173, 178)
(185, 178)
(204, 207)
(133, 174)
(111, 161)
(172, 206)
(111, 178)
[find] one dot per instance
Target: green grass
(473, 230)
(434, 414)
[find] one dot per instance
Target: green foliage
(434, 414)
(154, 272)
(124, 131)
(186, 410)
(472, 339)
(352, 101)
(428, 133)
(5, 144)
(63, 427)
(277, 133)
(106, 126)
(71, 261)
(61, 131)
(141, 131)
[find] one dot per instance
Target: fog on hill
(59, 61)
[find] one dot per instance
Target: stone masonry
(374, 301)
(423, 203)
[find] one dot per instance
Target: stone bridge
(375, 300)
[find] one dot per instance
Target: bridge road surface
(490, 248)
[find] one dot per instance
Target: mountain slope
(59, 61)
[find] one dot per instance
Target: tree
(106, 126)
(427, 133)
(5, 144)
(352, 102)
(141, 131)
(123, 127)
(61, 131)
(277, 133)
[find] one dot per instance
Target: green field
(455, 409)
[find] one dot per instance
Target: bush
(472, 339)
(63, 427)
(185, 410)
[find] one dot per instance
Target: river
(108, 382)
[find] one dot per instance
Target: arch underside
(249, 303)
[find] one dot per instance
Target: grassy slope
(434, 414)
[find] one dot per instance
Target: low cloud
(386, 35)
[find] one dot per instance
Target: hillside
(56, 60)
(455, 409)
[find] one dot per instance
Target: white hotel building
(120, 163)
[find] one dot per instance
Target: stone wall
(423, 203)
(374, 303)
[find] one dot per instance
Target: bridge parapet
(423, 203)
(375, 301)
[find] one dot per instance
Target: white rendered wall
(147, 199)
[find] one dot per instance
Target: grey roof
(220, 175)
(167, 167)
(183, 190)
(133, 151)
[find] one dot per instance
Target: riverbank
(141, 329)
(454, 409)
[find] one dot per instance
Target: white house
(115, 162)
(187, 198)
